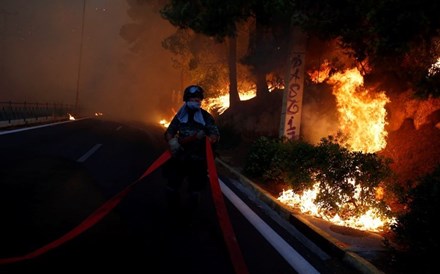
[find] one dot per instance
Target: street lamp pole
(80, 56)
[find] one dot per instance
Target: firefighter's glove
(200, 134)
(174, 146)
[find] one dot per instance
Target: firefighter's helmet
(193, 91)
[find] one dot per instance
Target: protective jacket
(186, 132)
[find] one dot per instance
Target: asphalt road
(52, 178)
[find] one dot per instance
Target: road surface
(53, 177)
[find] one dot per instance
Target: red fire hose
(92, 219)
(97, 215)
(222, 215)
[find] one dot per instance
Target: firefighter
(186, 135)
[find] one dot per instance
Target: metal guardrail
(15, 113)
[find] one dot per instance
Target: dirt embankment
(413, 136)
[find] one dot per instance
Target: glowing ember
(71, 117)
(434, 68)
(164, 123)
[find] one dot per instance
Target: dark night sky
(40, 45)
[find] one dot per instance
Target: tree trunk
(261, 83)
(259, 69)
(291, 110)
(234, 97)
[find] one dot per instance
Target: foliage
(299, 163)
(202, 59)
(416, 230)
(398, 38)
(214, 18)
(347, 180)
(372, 28)
(259, 159)
(394, 36)
(275, 160)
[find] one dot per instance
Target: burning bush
(349, 180)
(345, 184)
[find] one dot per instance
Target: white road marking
(89, 153)
(33, 127)
(293, 258)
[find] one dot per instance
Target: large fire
(362, 120)
(361, 112)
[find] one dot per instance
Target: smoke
(37, 46)
(317, 122)
(320, 115)
(40, 55)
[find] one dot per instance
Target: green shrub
(261, 157)
(299, 164)
(277, 160)
(347, 180)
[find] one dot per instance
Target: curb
(325, 240)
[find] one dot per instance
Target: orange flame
(362, 113)
(221, 103)
(370, 220)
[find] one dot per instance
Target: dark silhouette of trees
(215, 19)
(397, 38)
